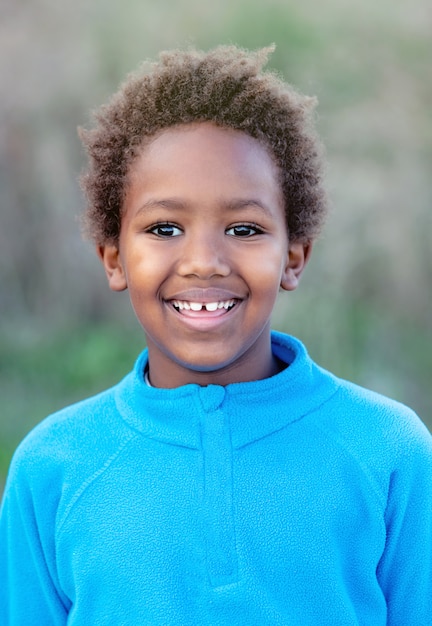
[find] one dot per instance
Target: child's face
(203, 250)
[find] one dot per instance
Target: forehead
(204, 171)
(204, 145)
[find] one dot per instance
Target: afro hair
(226, 86)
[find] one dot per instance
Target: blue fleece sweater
(296, 500)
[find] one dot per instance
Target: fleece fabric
(297, 500)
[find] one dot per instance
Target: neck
(173, 375)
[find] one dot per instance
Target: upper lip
(205, 295)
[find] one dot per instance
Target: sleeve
(29, 592)
(405, 570)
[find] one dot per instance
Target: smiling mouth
(209, 307)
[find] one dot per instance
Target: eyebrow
(248, 202)
(155, 203)
(177, 204)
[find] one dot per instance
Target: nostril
(203, 265)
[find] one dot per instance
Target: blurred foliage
(364, 305)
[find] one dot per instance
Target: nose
(204, 256)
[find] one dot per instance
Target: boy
(228, 480)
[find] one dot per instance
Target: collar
(249, 411)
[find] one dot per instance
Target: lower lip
(204, 320)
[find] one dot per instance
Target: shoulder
(74, 424)
(62, 455)
(383, 435)
(367, 425)
(70, 443)
(346, 402)
(343, 407)
(379, 415)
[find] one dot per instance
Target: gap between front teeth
(198, 306)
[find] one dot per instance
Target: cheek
(266, 268)
(146, 265)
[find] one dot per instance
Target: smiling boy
(203, 250)
(228, 480)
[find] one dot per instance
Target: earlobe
(110, 257)
(298, 256)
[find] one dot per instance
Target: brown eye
(166, 230)
(244, 230)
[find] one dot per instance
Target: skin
(203, 222)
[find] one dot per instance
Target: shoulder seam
(84, 486)
(340, 441)
(299, 418)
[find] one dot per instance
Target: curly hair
(226, 86)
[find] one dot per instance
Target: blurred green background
(364, 307)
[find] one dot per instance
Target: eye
(165, 229)
(244, 230)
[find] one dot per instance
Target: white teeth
(198, 306)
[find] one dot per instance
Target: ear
(298, 256)
(110, 257)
